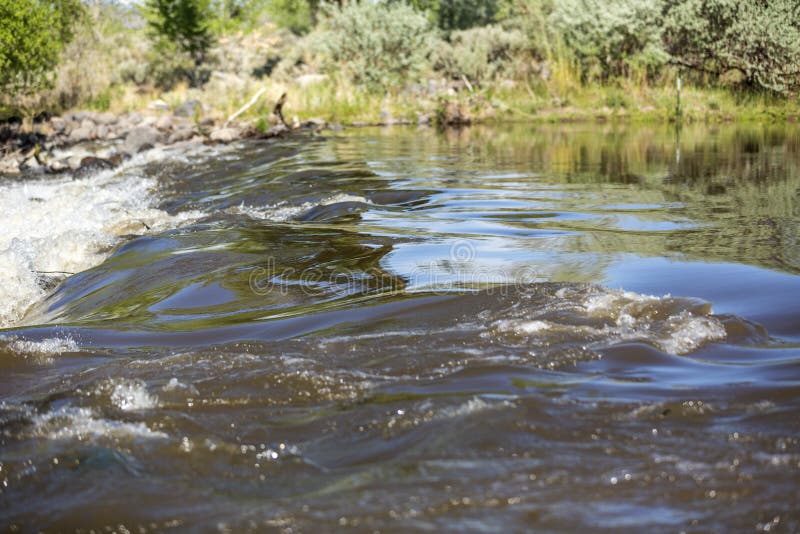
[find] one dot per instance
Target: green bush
(759, 39)
(183, 26)
(451, 15)
(32, 35)
(379, 45)
(612, 37)
(482, 53)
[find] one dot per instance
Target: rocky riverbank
(86, 139)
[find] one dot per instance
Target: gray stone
(164, 122)
(105, 118)
(140, 138)
(80, 134)
(9, 165)
(188, 108)
(224, 135)
(58, 124)
(183, 134)
(102, 131)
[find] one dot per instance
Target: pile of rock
(85, 138)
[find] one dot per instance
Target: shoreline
(83, 140)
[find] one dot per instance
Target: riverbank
(135, 121)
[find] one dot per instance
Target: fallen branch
(246, 106)
(278, 110)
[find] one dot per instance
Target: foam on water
(283, 211)
(133, 396)
(53, 227)
(600, 316)
(71, 422)
(46, 347)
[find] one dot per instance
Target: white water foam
(58, 226)
(676, 326)
(283, 211)
(133, 396)
(46, 347)
(70, 422)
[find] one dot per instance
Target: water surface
(553, 328)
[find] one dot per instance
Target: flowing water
(517, 328)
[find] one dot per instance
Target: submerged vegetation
(415, 60)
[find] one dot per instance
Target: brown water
(551, 328)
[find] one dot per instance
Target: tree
(758, 39)
(451, 15)
(184, 24)
(32, 35)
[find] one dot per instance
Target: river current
(493, 329)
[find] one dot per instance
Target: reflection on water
(507, 328)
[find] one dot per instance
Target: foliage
(482, 53)
(530, 17)
(612, 37)
(183, 25)
(379, 45)
(759, 39)
(33, 34)
(451, 15)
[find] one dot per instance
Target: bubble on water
(133, 395)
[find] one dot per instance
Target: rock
(9, 165)
(58, 124)
(80, 134)
(134, 117)
(190, 108)
(224, 135)
(140, 138)
(164, 122)
(105, 118)
(92, 164)
(314, 124)
(423, 119)
(58, 166)
(310, 79)
(159, 105)
(182, 134)
(102, 132)
(453, 114)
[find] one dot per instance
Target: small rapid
(558, 328)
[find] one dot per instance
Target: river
(508, 328)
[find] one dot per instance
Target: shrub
(451, 15)
(612, 37)
(32, 35)
(759, 39)
(379, 45)
(482, 53)
(182, 25)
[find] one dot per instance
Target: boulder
(224, 135)
(58, 124)
(141, 138)
(164, 122)
(181, 134)
(9, 165)
(80, 134)
(105, 118)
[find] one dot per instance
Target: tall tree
(186, 24)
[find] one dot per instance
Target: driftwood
(278, 110)
(246, 106)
